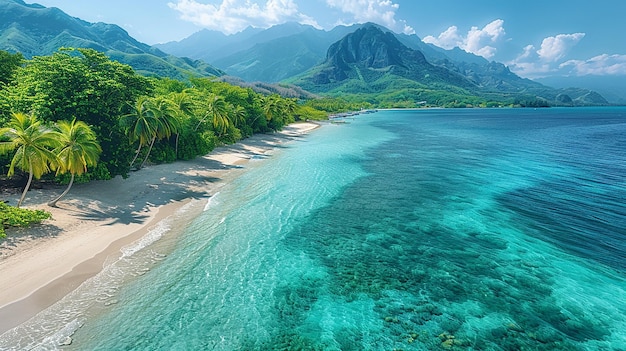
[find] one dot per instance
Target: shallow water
(498, 229)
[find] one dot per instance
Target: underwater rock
(65, 341)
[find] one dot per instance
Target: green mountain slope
(35, 30)
(274, 61)
(268, 55)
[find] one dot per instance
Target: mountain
(613, 88)
(372, 60)
(286, 51)
(35, 30)
(275, 60)
(207, 44)
(369, 53)
(268, 55)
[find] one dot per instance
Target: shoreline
(42, 264)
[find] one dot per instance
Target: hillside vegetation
(35, 30)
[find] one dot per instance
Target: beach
(42, 264)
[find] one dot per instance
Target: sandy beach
(40, 265)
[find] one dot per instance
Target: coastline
(41, 265)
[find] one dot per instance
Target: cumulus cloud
(555, 48)
(536, 63)
(448, 39)
(599, 65)
(232, 16)
(478, 41)
(379, 11)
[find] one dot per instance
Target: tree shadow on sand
(161, 185)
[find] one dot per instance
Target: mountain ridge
(278, 58)
(35, 30)
(373, 60)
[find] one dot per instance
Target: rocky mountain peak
(370, 47)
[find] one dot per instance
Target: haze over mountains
(358, 59)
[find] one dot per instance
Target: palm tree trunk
(148, 154)
(176, 148)
(30, 179)
(136, 154)
(53, 203)
(198, 125)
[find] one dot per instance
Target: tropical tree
(271, 106)
(139, 125)
(8, 65)
(79, 148)
(278, 110)
(165, 118)
(289, 107)
(83, 83)
(238, 114)
(33, 144)
(217, 109)
(184, 107)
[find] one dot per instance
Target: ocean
(431, 229)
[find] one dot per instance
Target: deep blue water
(495, 229)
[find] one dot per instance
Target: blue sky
(535, 38)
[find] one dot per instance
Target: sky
(535, 38)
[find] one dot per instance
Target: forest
(77, 115)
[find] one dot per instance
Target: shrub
(17, 217)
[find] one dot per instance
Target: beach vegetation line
(126, 119)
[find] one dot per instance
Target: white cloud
(537, 63)
(599, 65)
(232, 16)
(555, 48)
(379, 11)
(448, 39)
(477, 41)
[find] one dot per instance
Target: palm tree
(239, 114)
(271, 106)
(139, 124)
(79, 148)
(33, 144)
(289, 108)
(184, 107)
(217, 109)
(165, 119)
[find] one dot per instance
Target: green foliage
(337, 104)
(32, 144)
(157, 119)
(85, 84)
(305, 113)
(77, 150)
(16, 217)
(8, 65)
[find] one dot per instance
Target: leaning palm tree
(165, 118)
(271, 106)
(79, 149)
(238, 114)
(217, 109)
(289, 108)
(184, 106)
(140, 124)
(33, 144)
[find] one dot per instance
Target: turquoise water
(498, 229)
